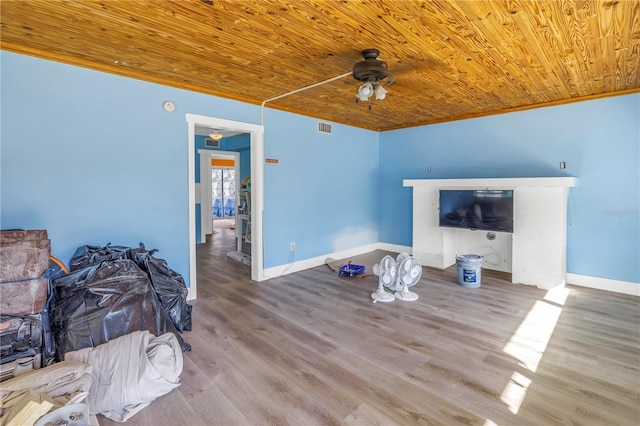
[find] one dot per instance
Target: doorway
(223, 192)
(218, 188)
(203, 125)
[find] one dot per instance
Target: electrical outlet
(293, 246)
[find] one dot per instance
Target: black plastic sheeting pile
(112, 291)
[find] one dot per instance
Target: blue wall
(599, 141)
(239, 143)
(323, 192)
(93, 158)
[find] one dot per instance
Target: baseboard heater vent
(212, 143)
(324, 127)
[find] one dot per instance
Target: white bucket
(469, 270)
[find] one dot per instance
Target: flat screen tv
(487, 210)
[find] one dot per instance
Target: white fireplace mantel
(493, 183)
(537, 247)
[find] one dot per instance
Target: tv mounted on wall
(487, 210)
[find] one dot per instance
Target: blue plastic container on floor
(350, 270)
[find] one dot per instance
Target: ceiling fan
(370, 71)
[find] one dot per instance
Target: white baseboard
(278, 271)
(625, 287)
(395, 248)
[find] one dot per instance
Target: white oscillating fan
(387, 276)
(409, 273)
(396, 286)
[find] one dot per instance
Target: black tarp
(89, 255)
(168, 284)
(97, 303)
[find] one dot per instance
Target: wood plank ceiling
(452, 59)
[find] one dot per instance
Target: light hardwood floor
(311, 349)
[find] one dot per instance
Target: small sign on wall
(272, 160)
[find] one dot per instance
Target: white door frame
(256, 132)
(206, 155)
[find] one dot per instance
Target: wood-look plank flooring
(310, 348)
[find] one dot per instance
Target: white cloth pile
(130, 372)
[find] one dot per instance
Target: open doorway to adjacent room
(220, 175)
(223, 194)
(201, 194)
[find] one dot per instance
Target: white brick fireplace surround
(535, 253)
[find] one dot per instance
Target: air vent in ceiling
(324, 127)
(210, 143)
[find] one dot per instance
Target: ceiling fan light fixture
(370, 72)
(380, 92)
(365, 91)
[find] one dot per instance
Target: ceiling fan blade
(391, 79)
